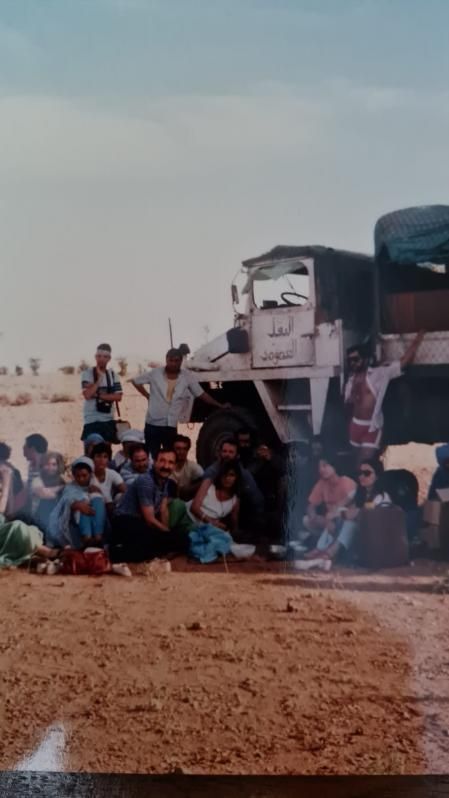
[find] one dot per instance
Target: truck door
(283, 315)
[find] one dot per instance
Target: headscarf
(59, 533)
(84, 461)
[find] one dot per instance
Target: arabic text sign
(279, 338)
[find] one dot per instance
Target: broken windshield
(281, 285)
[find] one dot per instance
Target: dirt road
(254, 672)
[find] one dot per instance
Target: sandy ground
(208, 672)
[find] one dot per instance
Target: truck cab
(281, 367)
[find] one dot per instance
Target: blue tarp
(207, 543)
(414, 235)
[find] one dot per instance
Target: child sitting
(78, 520)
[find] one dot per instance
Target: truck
(282, 366)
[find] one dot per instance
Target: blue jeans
(344, 536)
(93, 525)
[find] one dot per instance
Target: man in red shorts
(364, 394)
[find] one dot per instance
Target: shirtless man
(364, 394)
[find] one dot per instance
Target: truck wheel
(220, 425)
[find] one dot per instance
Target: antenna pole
(170, 329)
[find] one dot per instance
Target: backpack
(92, 562)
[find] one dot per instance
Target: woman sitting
(78, 520)
(46, 488)
(331, 492)
(339, 534)
(219, 503)
(109, 483)
(18, 541)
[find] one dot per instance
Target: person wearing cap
(101, 388)
(170, 386)
(127, 439)
(92, 440)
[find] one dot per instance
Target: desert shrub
(3, 371)
(21, 399)
(123, 366)
(35, 365)
(83, 366)
(4, 400)
(60, 397)
(67, 369)
(19, 371)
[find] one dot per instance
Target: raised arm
(410, 353)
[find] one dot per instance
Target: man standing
(170, 386)
(364, 395)
(101, 389)
(150, 522)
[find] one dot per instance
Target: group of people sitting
(138, 507)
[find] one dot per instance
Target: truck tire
(220, 425)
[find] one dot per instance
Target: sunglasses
(354, 359)
(365, 472)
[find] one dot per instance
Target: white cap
(132, 436)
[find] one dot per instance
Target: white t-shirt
(90, 412)
(190, 472)
(213, 507)
(112, 480)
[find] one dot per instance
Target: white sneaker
(308, 565)
(121, 569)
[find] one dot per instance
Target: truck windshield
(285, 290)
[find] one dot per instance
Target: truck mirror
(238, 341)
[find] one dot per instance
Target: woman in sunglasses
(339, 534)
(370, 492)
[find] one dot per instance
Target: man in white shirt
(364, 395)
(101, 389)
(170, 386)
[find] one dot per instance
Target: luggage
(381, 540)
(93, 562)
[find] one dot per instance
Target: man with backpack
(101, 389)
